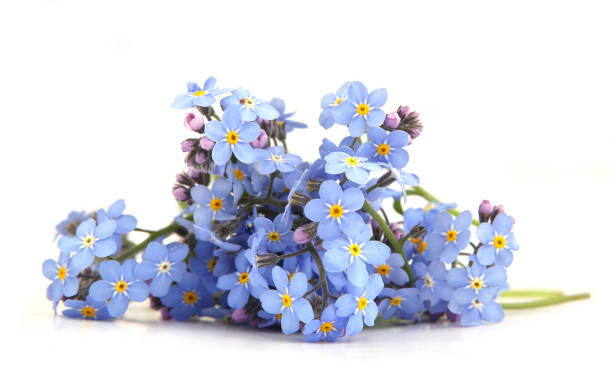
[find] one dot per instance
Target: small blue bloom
(287, 300)
(361, 110)
(336, 210)
(196, 96)
(120, 285)
(249, 106)
(277, 235)
(283, 119)
(239, 174)
(392, 272)
(354, 167)
(359, 305)
(351, 253)
(497, 241)
(209, 265)
(386, 147)
(329, 102)
(162, 264)
(63, 273)
(246, 280)
(187, 298)
(125, 222)
(431, 281)
(87, 309)
(90, 241)
(232, 135)
(275, 158)
(405, 300)
(481, 307)
(72, 218)
(449, 237)
(470, 282)
(404, 179)
(217, 204)
(329, 328)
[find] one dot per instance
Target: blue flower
(232, 135)
(335, 210)
(283, 119)
(87, 309)
(449, 237)
(250, 107)
(268, 319)
(497, 241)
(63, 273)
(359, 305)
(277, 235)
(239, 174)
(213, 205)
(209, 265)
(73, 217)
(187, 298)
(329, 102)
(404, 179)
(120, 285)
(481, 307)
(361, 109)
(90, 241)
(351, 253)
(470, 282)
(386, 147)
(246, 280)
(329, 328)
(405, 300)
(196, 96)
(355, 167)
(275, 158)
(287, 300)
(125, 222)
(163, 265)
(431, 281)
(391, 270)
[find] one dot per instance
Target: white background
(515, 99)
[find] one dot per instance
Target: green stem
(547, 301)
(530, 293)
(421, 192)
(397, 247)
(141, 246)
(144, 230)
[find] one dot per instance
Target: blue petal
(303, 310)
(357, 126)
(238, 296)
(82, 259)
(101, 290)
(160, 285)
(271, 302)
(215, 131)
(486, 255)
(485, 232)
(377, 98)
(221, 152)
(289, 322)
(316, 210)
(503, 224)
(357, 91)
(266, 111)
(105, 247)
(336, 260)
(354, 325)
(298, 285)
(249, 131)
(280, 278)
(344, 112)
(50, 268)
(345, 305)
(375, 117)
(117, 305)
(357, 273)
(243, 151)
(54, 291)
(139, 291)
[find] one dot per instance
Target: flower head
(329, 327)
(497, 241)
(359, 305)
(386, 147)
(244, 281)
(216, 204)
(449, 237)
(63, 275)
(403, 300)
(249, 106)
(91, 241)
(232, 135)
(162, 264)
(354, 167)
(187, 298)
(198, 96)
(86, 309)
(277, 235)
(329, 102)
(361, 110)
(275, 158)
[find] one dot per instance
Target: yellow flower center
(396, 301)
(338, 101)
(238, 174)
(273, 236)
(61, 272)
(190, 297)
(212, 263)
(243, 278)
(327, 326)
(363, 109)
(362, 303)
(477, 283)
(287, 300)
(354, 249)
(216, 204)
(499, 242)
(278, 316)
(351, 161)
(88, 312)
(232, 137)
(248, 102)
(383, 269)
(89, 241)
(451, 235)
(120, 286)
(199, 93)
(336, 211)
(383, 149)
(277, 158)
(164, 266)
(422, 246)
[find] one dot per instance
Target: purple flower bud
(206, 143)
(180, 193)
(200, 157)
(300, 236)
(484, 211)
(193, 173)
(239, 315)
(188, 145)
(452, 317)
(397, 230)
(261, 141)
(414, 115)
(392, 120)
(194, 121)
(403, 111)
(499, 209)
(165, 313)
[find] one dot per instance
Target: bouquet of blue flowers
(267, 239)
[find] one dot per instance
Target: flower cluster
(268, 239)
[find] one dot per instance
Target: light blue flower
(63, 275)
(449, 237)
(470, 282)
(277, 235)
(210, 265)
(120, 285)
(287, 300)
(86, 309)
(246, 280)
(283, 119)
(431, 281)
(352, 252)
(354, 167)
(405, 300)
(163, 265)
(196, 96)
(187, 298)
(73, 217)
(232, 135)
(249, 106)
(125, 222)
(275, 158)
(361, 110)
(216, 204)
(90, 241)
(359, 305)
(386, 147)
(482, 307)
(329, 328)
(497, 241)
(329, 102)
(336, 210)
(392, 272)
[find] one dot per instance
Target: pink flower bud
(200, 157)
(180, 193)
(239, 315)
(300, 236)
(206, 143)
(485, 207)
(188, 145)
(261, 141)
(403, 111)
(392, 120)
(194, 121)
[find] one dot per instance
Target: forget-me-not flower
(482, 307)
(356, 168)
(125, 222)
(216, 204)
(431, 281)
(361, 110)
(359, 305)
(470, 282)
(63, 273)
(198, 96)
(232, 135)
(249, 106)
(277, 235)
(244, 281)
(406, 300)
(329, 102)
(449, 237)
(275, 158)
(209, 265)
(187, 297)
(91, 241)
(329, 328)
(497, 240)
(162, 264)
(386, 147)
(283, 119)
(392, 271)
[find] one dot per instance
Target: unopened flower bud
(206, 143)
(300, 236)
(261, 141)
(300, 199)
(397, 230)
(403, 111)
(194, 121)
(313, 185)
(165, 313)
(484, 210)
(392, 120)
(180, 193)
(188, 145)
(239, 315)
(200, 157)
(265, 260)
